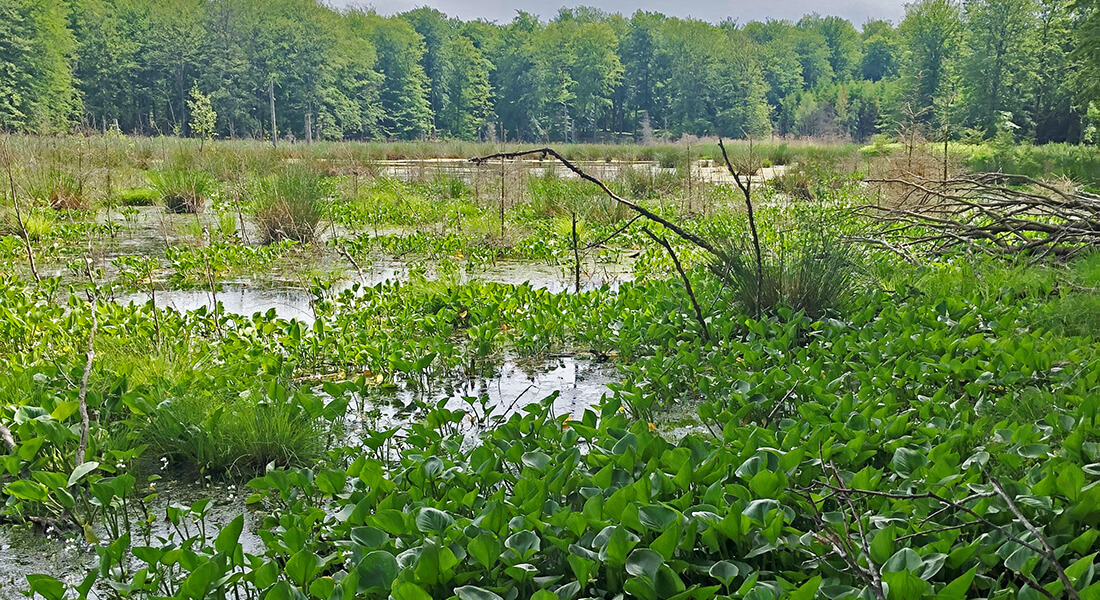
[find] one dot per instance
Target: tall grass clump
(290, 205)
(61, 191)
(816, 275)
(182, 190)
(38, 224)
(647, 183)
(221, 431)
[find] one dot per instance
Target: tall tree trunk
(274, 128)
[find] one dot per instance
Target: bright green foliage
(841, 39)
(1087, 51)
(881, 50)
(582, 75)
(203, 117)
(912, 396)
(290, 204)
(182, 190)
(576, 69)
(466, 83)
(931, 31)
(933, 379)
(437, 32)
(404, 98)
(999, 62)
(36, 52)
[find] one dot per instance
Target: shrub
(182, 190)
(795, 182)
(814, 276)
(449, 186)
(290, 205)
(645, 182)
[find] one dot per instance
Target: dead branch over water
(996, 213)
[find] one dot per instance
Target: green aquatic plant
(137, 197)
(205, 423)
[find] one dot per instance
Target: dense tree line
(969, 69)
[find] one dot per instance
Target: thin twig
(876, 578)
(1047, 551)
(746, 189)
(613, 235)
(687, 283)
(82, 396)
(347, 255)
(19, 217)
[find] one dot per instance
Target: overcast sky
(856, 11)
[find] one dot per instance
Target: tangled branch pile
(996, 213)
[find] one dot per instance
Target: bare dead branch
(1047, 551)
(687, 284)
(746, 189)
(82, 396)
(5, 436)
(985, 213)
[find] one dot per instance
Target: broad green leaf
(903, 560)
(198, 582)
(470, 592)
(724, 571)
(230, 534)
(904, 585)
(322, 588)
(957, 589)
(882, 546)
(431, 520)
(524, 543)
(370, 537)
(301, 566)
(331, 481)
(807, 590)
(24, 489)
(391, 521)
(410, 591)
(657, 517)
(906, 461)
(643, 561)
(49, 587)
(485, 549)
(536, 460)
(378, 569)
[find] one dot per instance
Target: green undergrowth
(861, 452)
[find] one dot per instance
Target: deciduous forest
(963, 70)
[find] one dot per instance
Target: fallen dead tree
(995, 213)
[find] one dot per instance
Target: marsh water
(67, 555)
(579, 382)
(509, 386)
(289, 301)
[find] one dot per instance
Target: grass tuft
(290, 205)
(182, 190)
(814, 276)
